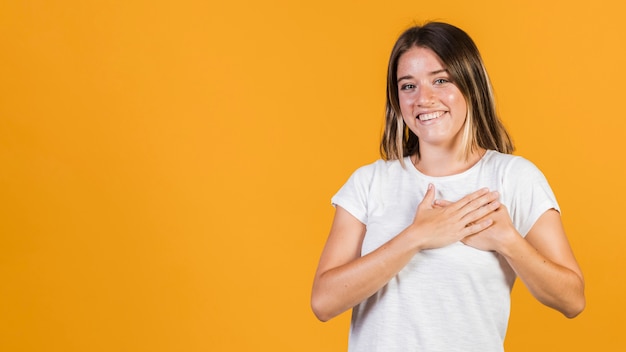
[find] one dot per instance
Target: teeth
(430, 116)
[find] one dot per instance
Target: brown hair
(461, 58)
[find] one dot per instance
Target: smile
(430, 116)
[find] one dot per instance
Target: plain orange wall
(167, 166)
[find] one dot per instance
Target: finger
(429, 197)
(476, 227)
(481, 212)
(469, 198)
(479, 201)
(441, 203)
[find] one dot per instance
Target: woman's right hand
(439, 223)
(344, 277)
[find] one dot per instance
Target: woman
(427, 242)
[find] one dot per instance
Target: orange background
(167, 167)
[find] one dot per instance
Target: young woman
(427, 242)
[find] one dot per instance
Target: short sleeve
(353, 195)
(528, 193)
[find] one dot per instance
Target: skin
(543, 259)
(433, 108)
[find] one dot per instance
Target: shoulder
(365, 183)
(509, 163)
(524, 190)
(378, 168)
(377, 174)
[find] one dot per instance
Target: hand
(441, 223)
(491, 238)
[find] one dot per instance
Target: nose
(425, 95)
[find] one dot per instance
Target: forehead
(419, 60)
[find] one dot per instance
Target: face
(432, 106)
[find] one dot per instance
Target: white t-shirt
(455, 298)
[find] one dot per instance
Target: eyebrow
(433, 73)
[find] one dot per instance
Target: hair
(461, 58)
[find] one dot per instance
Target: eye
(441, 81)
(407, 86)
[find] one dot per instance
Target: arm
(545, 263)
(344, 278)
(543, 260)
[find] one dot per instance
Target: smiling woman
(459, 53)
(167, 165)
(426, 243)
(433, 108)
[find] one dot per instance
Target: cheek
(406, 103)
(457, 101)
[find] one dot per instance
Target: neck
(445, 162)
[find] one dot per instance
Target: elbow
(577, 305)
(318, 309)
(321, 308)
(576, 302)
(321, 316)
(576, 308)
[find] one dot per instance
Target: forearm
(345, 278)
(552, 284)
(343, 287)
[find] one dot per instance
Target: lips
(430, 115)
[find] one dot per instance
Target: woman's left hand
(543, 259)
(491, 238)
